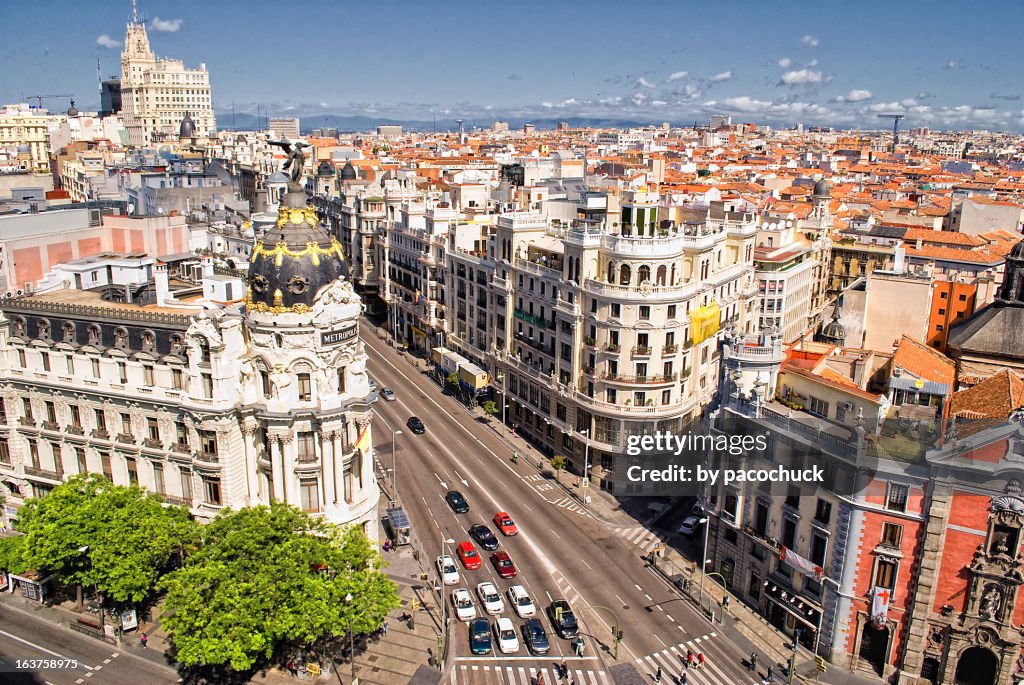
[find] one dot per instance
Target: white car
(508, 642)
(521, 601)
(448, 570)
(690, 525)
(465, 610)
(490, 598)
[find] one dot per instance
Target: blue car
(480, 636)
(535, 637)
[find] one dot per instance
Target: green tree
(267, 577)
(558, 463)
(453, 379)
(490, 407)
(12, 554)
(93, 533)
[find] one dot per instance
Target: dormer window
(94, 334)
(69, 332)
(148, 341)
(44, 329)
(121, 339)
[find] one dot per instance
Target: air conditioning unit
(20, 292)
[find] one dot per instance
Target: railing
(538, 269)
(622, 378)
(76, 430)
(589, 342)
(530, 318)
(570, 308)
(642, 351)
(126, 438)
(27, 421)
(679, 407)
(181, 448)
(207, 456)
(656, 247)
(309, 458)
(612, 347)
(153, 443)
(655, 292)
(92, 312)
(43, 473)
(51, 426)
(669, 349)
(176, 501)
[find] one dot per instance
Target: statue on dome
(296, 159)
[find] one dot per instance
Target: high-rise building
(285, 127)
(23, 132)
(158, 94)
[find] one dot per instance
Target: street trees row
(244, 588)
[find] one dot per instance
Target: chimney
(899, 260)
(160, 280)
(207, 263)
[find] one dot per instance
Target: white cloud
(812, 63)
(658, 103)
(952, 64)
(167, 25)
(324, 105)
(802, 77)
(724, 76)
(644, 82)
(855, 95)
(744, 103)
(108, 42)
(785, 63)
(547, 105)
(568, 102)
(676, 75)
(810, 41)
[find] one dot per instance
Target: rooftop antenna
(135, 13)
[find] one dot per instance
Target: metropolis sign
(338, 336)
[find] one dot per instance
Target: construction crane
(39, 98)
(895, 127)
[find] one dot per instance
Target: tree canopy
(92, 532)
(268, 576)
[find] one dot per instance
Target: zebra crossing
(642, 537)
(566, 590)
(570, 504)
(672, 661)
(479, 674)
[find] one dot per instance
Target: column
(327, 468)
(291, 482)
(277, 462)
(248, 431)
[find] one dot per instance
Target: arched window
(624, 274)
(121, 338)
(148, 341)
(44, 329)
(611, 272)
(94, 334)
(69, 331)
(643, 273)
(204, 349)
(18, 326)
(661, 275)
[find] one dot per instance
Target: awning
(922, 386)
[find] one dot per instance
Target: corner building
(207, 408)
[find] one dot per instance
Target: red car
(503, 565)
(505, 524)
(468, 555)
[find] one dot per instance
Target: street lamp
(394, 465)
(351, 636)
(586, 464)
(95, 588)
(704, 559)
(442, 642)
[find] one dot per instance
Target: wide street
(23, 636)
(561, 551)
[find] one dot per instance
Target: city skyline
(780, 64)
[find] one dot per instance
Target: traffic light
(618, 636)
(822, 666)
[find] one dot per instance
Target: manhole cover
(372, 657)
(625, 606)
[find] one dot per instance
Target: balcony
(612, 347)
(535, 320)
(643, 380)
(306, 458)
(589, 342)
(27, 421)
(635, 246)
(153, 443)
(100, 434)
(546, 349)
(568, 308)
(669, 349)
(653, 293)
(176, 501)
(76, 430)
(181, 447)
(126, 438)
(210, 457)
(656, 410)
(51, 426)
(642, 351)
(43, 473)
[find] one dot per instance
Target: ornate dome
(188, 127)
(72, 110)
(294, 259)
(348, 172)
(1017, 253)
(834, 332)
(325, 168)
(822, 189)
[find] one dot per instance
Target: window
(152, 428)
(823, 512)
(819, 543)
(133, 470)
(108, 470)
(83, 466)
(95, 364)
(211, 490)
(76, 416)
(666, 396)
(5, 451)
(885, 574)
(942, 296)
(126, 424)
(101, 419)
(754, 589)
(306, 449)
(942, 312)
(208, 442)
(817, 407)
(892, 534)
(963, 298)
(71, 365)
(671, 311)
(158, 478)
(729, 506)
(645, 311)
(788, 532)
(616, 310)
(33, 453)
(27, 404)
(45, 357)
(181, 433)
(51, 412)
(309, 495)
(21, 358)
(186, 484)
(122, 372)
(207, 385)
(761, 519)
(939, 328)
(305, 388)
(896, 498)
(147, 374)
(177, 379)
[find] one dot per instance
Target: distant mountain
(354, 124)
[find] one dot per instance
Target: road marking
(660, 640)
(556, 534)
(638, 587)
(669, 617)
(623, 603)
(586, 564)
(660, 608)
(524, 504)
(649, 598)
(43, 649)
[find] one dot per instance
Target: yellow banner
(704, 322)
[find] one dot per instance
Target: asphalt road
(23, 636)
(561, 552)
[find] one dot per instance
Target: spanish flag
(363, 443)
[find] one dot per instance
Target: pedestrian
(144, 639)
(682, 678)
(691, 659)
(384, 628)
(753, 661)
(770, 675)
(540, 679)
(700, 660)
(657, 676)
(563, 670)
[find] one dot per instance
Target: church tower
(306, 396)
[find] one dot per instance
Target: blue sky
(944, 64)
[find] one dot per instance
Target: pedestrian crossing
(672, 661)
(566, 591)
(480, 674)
(642, 537)
(571, 504)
